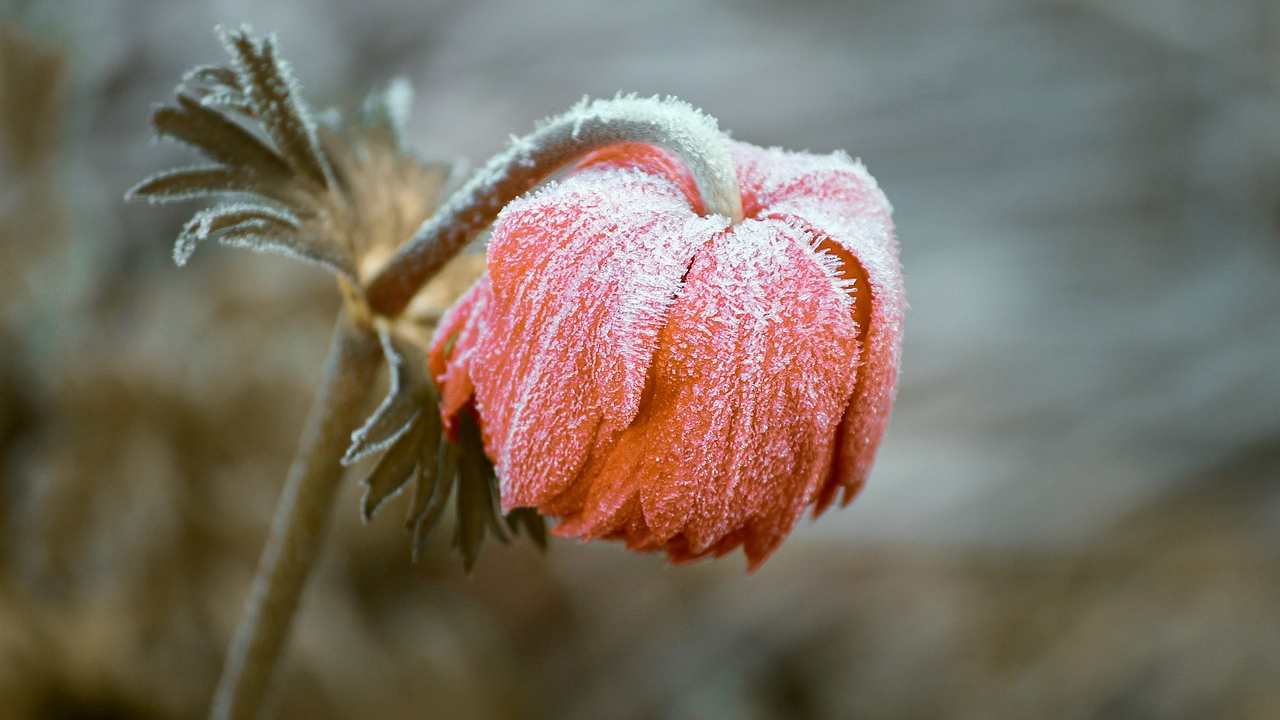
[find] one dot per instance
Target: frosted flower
(650, 374)
(344, 191)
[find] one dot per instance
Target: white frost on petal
(583, 273)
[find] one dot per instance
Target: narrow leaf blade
(272, 91)
(193, 183)
(222, 218)
(217, 137)
(392, 471)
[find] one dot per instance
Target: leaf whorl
(273, 96)
(341, 191)
(354, 188)
(416, 449)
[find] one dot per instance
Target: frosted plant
(406, 427)
(684, 344)
(342, 191)
(650, 374)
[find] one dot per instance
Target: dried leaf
(273, 94)
(337, 145)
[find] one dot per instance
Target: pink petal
(582, 274)
(753, 371)
(453, 348)
(837, 198)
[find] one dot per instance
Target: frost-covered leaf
(265, 236)
(222, 218)
(264, 228)
(392, 471)
(407, 425)
(423, 520)
(217, 137)
(424, 485)
(276, 102)
(407, 395)
(225, 99)
(427, 473)
(212, 76)
(192, 183)
(357, 192)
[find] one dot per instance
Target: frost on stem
(667, 122)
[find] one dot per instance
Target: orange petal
(582, 273)
(453, 347)
(836, 198)
(753, 372)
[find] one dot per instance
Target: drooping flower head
(651, 374)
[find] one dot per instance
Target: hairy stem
(301, 519)
(674, 125)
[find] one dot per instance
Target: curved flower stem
(301, 519)
(671, 124)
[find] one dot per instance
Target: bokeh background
(1076, 511)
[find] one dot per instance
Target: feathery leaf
(263, 236)
(192, 183)
(213, 76)
(272, 92)
(392, 471)
(221, 219)
(226, 99)
(477, 495)
(217, 137)
(403, 404)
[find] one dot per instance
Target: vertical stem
(300, 523)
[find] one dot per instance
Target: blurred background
(1076, 511)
